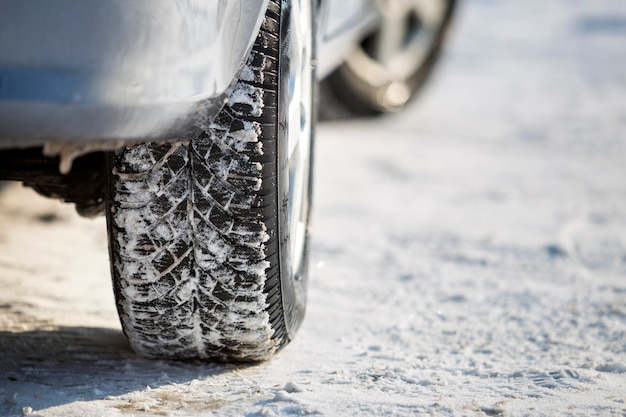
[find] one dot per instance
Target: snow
(468, 255)
(248, 95)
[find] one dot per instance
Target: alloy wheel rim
(388, 59)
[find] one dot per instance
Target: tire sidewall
(293, 283)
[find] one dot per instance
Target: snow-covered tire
(390, 65)
(208, 255)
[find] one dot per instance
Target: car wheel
(208, 236)
(390, 65)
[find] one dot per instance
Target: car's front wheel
(386, 70)
(208, 236)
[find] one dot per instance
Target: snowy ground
(469, 255)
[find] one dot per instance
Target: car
(190, 125)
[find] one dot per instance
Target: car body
(117, 71)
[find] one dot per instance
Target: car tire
(209, 236)
(391, 64)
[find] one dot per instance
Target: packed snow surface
(468, 256)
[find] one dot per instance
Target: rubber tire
(349, 95)
(197, 228)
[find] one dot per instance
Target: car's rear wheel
(386, 70)
(208, 236)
